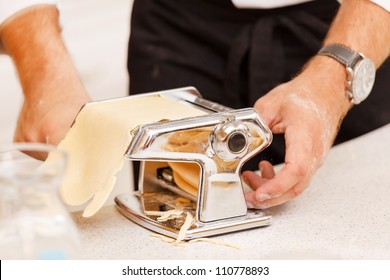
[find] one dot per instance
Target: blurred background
(96, 33)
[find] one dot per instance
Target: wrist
(332, 76)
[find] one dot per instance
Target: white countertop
(343, 214)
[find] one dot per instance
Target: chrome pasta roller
(192, 166)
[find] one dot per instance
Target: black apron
(234, 56)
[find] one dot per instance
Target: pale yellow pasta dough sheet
(189, 172)
(184, 185)
(98, 140)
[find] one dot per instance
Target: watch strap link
(341, 53)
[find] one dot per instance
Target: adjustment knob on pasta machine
(230, 139)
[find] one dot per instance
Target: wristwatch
(360, 70)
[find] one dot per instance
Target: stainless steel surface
(131, 206)
(232, 137)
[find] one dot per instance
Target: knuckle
(300, 170)
(296, 191)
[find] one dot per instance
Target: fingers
(253, 202)
(273, 189)
(266, 169)
(253, 180)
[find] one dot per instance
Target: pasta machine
(228, 138)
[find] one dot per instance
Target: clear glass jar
(34, 223)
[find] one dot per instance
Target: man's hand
(308, 111)
(47, 120)
(310, 108)
(52, 89)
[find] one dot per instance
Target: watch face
(363, 80)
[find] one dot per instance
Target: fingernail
(250, 204)
(263, 196)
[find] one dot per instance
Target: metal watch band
(341, 53)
